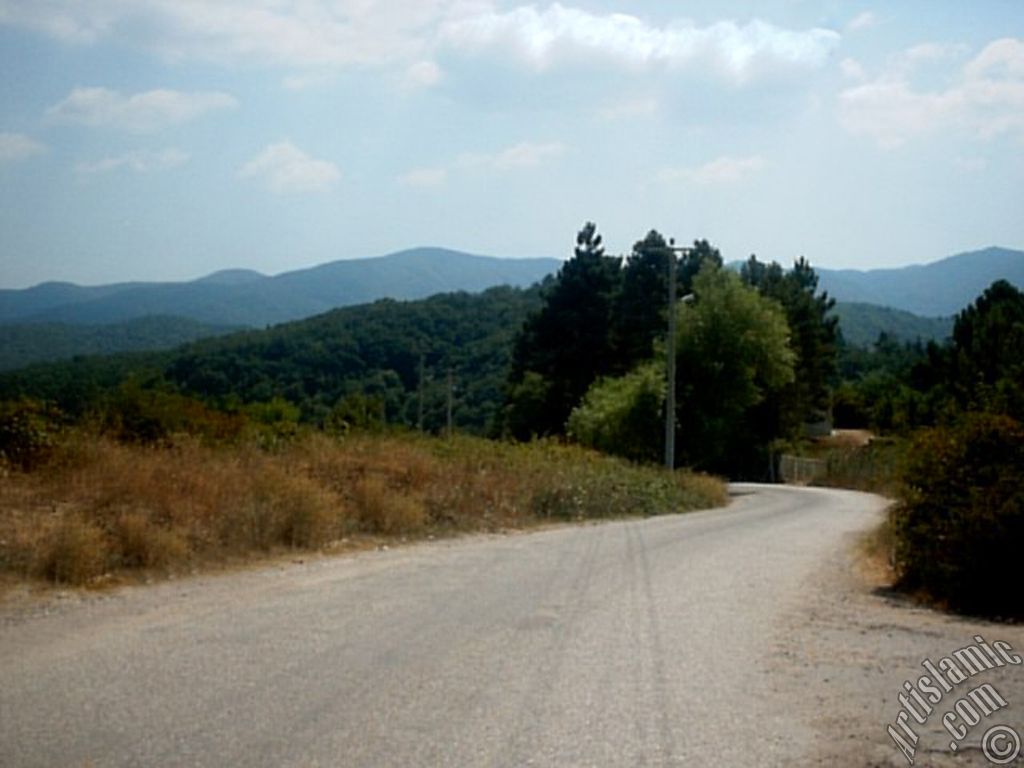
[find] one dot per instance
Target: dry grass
(876, 555)
(100, 507)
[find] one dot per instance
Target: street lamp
(670, 356)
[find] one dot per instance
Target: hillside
(938, 289)
(861, 324)
(368, 351)
(372, 350)
(23, 344)
(247, 298)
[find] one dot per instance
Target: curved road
(680, 640)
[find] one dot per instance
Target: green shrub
(619, 416)
(960, 524)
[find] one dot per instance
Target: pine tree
(564, 347)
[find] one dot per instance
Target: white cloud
(630, 109)
(971, 164)
(986, 99)
(526, 155)
(18, 146)
(423, 74)
(64, 20)
(851, 69)
(923, 52)
(298, 34)
(523, 155)
(1000, 59)
(425, 177)
(285, 168)
(140, 161)
(911, 62)
(306, 80)
(722, 170)
(403, 33)
(892, 112)
(140, 112)
(862, 21)
(560, 34)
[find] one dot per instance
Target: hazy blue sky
(165, 139)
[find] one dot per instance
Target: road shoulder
(855, 644)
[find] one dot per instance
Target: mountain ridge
(936, 289)
(248, 298)
(245, 297)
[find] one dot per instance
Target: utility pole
(670, 357)
(451, 399)
(420, 393)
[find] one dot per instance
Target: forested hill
(372, 352)
(246, 298)
(369, 355)
(23, 344)
(861, 324)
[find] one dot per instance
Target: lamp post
(670, 354)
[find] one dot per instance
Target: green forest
(386, 363)
(22, 344)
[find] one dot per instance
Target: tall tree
(640, 313)
(732, 354)
(640, 309)
(565, 346)
(693, 260)
(986, 360)
(814, 331)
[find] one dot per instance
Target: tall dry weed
(72, 551)
(140, 542)
(100, 505)
(275, 507)
(381, 508)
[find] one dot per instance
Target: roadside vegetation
(953, 455)
(82, 505)
(959, 523)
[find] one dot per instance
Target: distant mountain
(248, 298)
(45, 297)
(233, 277)
(23, 344)
(939, 289)
(861, 324)
(241, 297)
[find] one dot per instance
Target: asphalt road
(680, 640)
